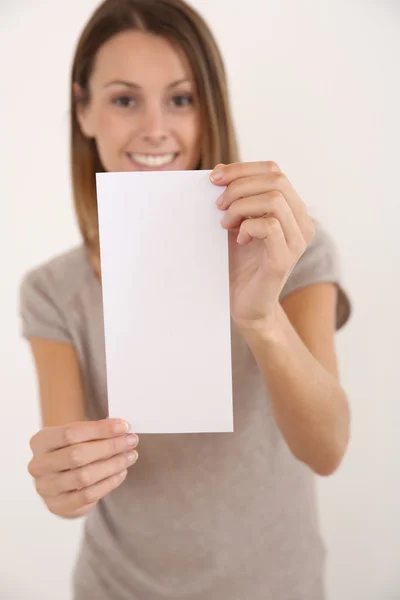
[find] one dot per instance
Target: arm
(59, 380)
(296, 356)
(75, 462)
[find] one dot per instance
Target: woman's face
(143, 112)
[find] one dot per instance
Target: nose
(153, 126)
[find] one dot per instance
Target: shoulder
(321, 263)
(322, 253)
(62, 276)
(47, 291)
(320, 260)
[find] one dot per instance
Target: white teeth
(149, 160)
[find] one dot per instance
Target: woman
(201, 516)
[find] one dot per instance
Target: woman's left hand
(269, 230)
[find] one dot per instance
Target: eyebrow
(130, 84)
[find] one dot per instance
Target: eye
(182, 100)
(124, 101)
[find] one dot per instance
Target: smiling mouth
(153, 160)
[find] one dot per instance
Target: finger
(225, 174)
(269, 204)
(257, 184)
(53, 438)
(79, 455)
(67, 481)
(261, 229)
(277, 184)
(72, 501)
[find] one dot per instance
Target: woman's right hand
(76, 465)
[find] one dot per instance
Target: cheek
(191, 133)
(112, 128)
(111, 136)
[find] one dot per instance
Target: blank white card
(165, 280)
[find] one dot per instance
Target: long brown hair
(179, 23)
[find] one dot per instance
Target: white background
(314, 87)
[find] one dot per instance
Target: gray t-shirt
(200, 516)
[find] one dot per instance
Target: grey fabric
(200, 516)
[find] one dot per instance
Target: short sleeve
(40, 311)
(320, 263)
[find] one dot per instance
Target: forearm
(309, 405)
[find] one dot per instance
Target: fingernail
(121, 427)
(132, 456)
(220, 200)
(132, 439)
(123, 474)
(217, 173)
